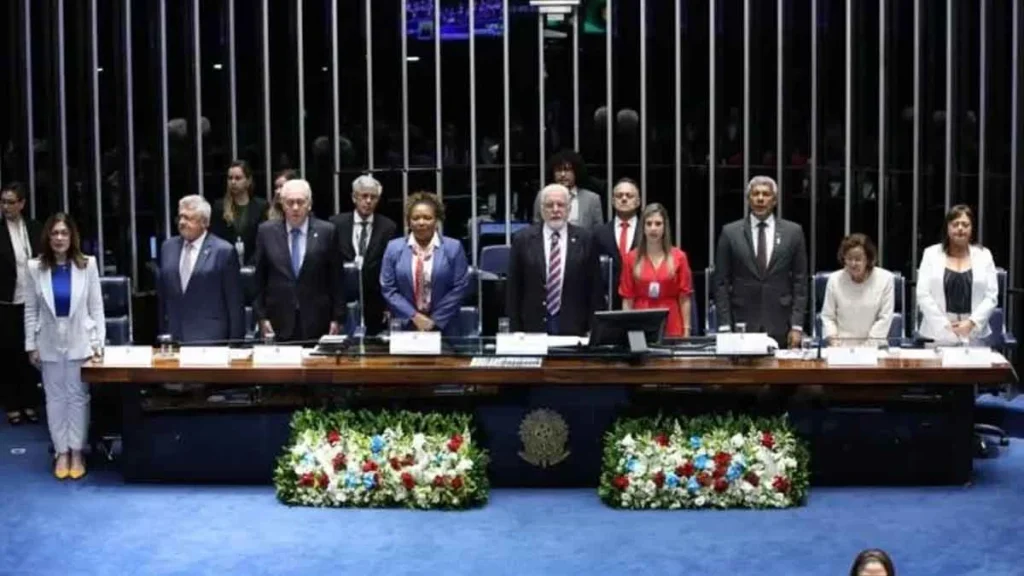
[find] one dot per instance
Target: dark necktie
(363, 237)
(762, 247)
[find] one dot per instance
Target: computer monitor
(634, 329)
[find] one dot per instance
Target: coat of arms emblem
(544, 434)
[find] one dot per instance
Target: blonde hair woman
(237, 215)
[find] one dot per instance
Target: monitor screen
(612, 327)
(455, 19)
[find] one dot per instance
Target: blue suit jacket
(449, 282)
(210, 309)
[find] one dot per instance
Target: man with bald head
(298, 271)
(554, 281)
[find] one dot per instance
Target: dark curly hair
(569, 158)
(428, 198)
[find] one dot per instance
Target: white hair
(367, 183)
(198, 204)
(298, 185)
(547, 190)
(763, 181)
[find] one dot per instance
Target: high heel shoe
(60, 469)
(77, 469)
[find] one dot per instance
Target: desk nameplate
(134, 356)
(277, 356)
(204, 356)
(521, 344)
(415, 343)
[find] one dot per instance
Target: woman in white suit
(64, 326)
(957, 287)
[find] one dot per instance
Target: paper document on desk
(793, 354)
(566, 341)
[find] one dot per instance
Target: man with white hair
(554, 280)
(364, 234)
(761, 270)
(298, 271)
(199, 291)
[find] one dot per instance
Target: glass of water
(741, 327)
(504, 325)
(396, 325)
(165, 341)
(807, 345)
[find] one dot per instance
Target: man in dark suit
(199, 293)
(19, 243)
(554, 283)
(620, 235)
(761, 270)
(298, 271)
(362, 237)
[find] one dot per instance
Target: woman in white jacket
(64, 326)
(957, 287)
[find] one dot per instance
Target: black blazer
(384, 229)
(772, 302)
(607, 238)
(8, 265)
(526, 291)
(317, 293)
(256, 214)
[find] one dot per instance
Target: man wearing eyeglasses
(19, 243)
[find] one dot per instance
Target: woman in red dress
(657, 274)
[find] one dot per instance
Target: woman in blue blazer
(424, 276)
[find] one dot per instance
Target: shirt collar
(548, 231)
(198, 241)
(435, 242)
(359, 219)
(631, 221)
(770, 220)
(304, 227)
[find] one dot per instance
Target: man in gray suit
(567, 169)
(761, 270)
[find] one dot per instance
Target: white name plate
(521, 344)
(128, 356)
(277, 355)
(966, 357)
(415, 343)
(204, 356)
(744, 344)
(856, 356)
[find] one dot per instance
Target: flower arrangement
(704, 462)
(381, 459)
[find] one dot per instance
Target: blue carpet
(102, 526)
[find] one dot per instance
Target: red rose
(721, 485)
(438, 481)
(338, 462)
(704, 479)
(723, 459)
(321, 481)
(408, 460)
(408, 481)
(455, 443)
(369, 466)
(333, 437)
(752, 479)
(719, 472)
(457, 483)
(307, 479)
(661, 440)
(621, 482)
(395, 463)
(780, 484)
(686, 470)
(767, 440)
(659, 479)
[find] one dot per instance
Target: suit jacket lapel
(6, 247)
(282, 235)
(539, 254)
(776, 248)
(201, 258)
(175, 258)
(374, 244)
(748, 242)
(46, 284)
(404, 274)
(312, 240)
(77, 288)
(346, 225)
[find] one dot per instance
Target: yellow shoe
(60, 470)
(76, 472)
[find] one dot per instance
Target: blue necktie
(296, 253)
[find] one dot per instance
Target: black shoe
(14, 418)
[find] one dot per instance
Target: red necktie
(623, 237)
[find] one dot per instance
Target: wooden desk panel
(385, 370)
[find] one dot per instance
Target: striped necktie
(554, 284)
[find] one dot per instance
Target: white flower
(700, 501)
(418, 440)
(464, 465)
(737, 441)
(628, 442)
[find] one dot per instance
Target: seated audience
(657, 274)
(957, 286)
(859, 298)
(872, 563)
(64, 327)
(423, 277)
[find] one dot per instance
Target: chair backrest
(117, 309)
(710, 313)
(248, 277)
(494, 259)
(607, 281)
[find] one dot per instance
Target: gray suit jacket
(590, 214)
(772, 302)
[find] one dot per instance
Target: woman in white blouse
(957, 286)
(859, 299)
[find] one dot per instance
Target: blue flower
(351, 480)
(701, 462)
(693, 486)
(695, 442)
(671, 480)
(740, 461)
(308, 459)
(368, 481)
(631, 465)
(733, 472)
(377, 444)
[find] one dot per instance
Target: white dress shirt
(357, 228)
(858, 310)
(301, 239)
(769, 235)
(192, 255)
(562, 243)
(428, 266)
(630, 233)
(22, 247)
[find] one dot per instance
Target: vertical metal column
(542, 108)
(950, 115)
(814, 137)
(982, 115)
(746, 98)
(678, 84)
(267, 152)
(369, 84)
(232, 80)
(405, 102)
(30, 136)
(576, 80)
(881, 130)
(300, 63)
(1014, 150)
(62, 109)
(335, 110)
(130, 140)
(610, 116)
(97, 165)
(438, 125)
(165, 147)
(506, 111)
(197, 78)
(916, 189)
(779, 109)
(711, 134)
(848, 139)
(643, 104)
(474, 216)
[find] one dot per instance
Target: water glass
(504, 325)
(741, 327)
(268, 339)
(396, 325)
(807, 344)
(165, 341)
